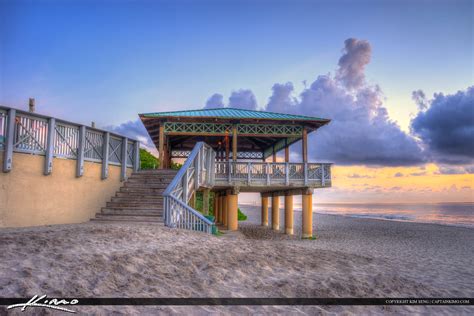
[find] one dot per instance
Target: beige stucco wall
(29, 198)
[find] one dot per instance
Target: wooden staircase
(140, 199)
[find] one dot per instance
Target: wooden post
(217, 212)
(276, 212)
(136, 158)
(264, 210)
(9, 142)
(49, 154)
(170, 154)
(227, 149)
(288, 214)
(165, 154)
(287, 165)
(221, 206)
(80, 151)
(123, 166)
(225, 203)
(105, 156)
(205, 201)
(216, 202)
(161, 145)
(234, 143)
(305, 145)
(31, 105)
(232, 213)
(307, 214)
(274, 155)
(192, 201)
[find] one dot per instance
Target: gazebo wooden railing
(195, 173)
(202, 171)
(234, 173)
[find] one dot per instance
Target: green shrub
(175, 165)
(147, 160)
(241, 216)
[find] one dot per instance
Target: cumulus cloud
(281, 100)
(361, 131)
(446, 127)
(136, 130)
(215, 101)
(243, 99)
(357, 54)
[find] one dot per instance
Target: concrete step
(152, 175)
(137, 190)
(140, 198)
(158, 179)
(155, 185)
(145, 219)
(140, 195)
(136, 198)
(149, 181)
(133, 208)
(116, 212)
(166, 172)
(136, 204)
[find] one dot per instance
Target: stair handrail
(191, 176)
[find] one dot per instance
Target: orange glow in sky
(397, 185)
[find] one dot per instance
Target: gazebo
(238, 154)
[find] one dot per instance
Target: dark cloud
(358, 176)
(446, 127)
(398, 175)
(215, 101)
(418, 174)
(357, 54)
(420, 99)
(243, 99)
(446, 169)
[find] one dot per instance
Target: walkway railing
(272, 174)
(194, 174)
(32, 133)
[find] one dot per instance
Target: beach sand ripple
(350, 258)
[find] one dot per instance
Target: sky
(393, 76)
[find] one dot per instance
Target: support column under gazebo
(264, 210)
(232, 210)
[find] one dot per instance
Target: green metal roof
(232, 113)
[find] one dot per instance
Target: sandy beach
(350, 258)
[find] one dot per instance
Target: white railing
(272, 174)
(194, 174)
(33, 133)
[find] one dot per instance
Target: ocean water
(457, 214)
